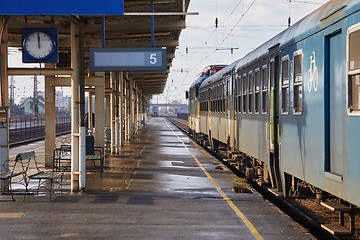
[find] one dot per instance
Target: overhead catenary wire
(221, 24)
(231, 30)
(307, 2)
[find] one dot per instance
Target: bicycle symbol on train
(313, 74)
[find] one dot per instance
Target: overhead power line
(232, 29)
(221, 24)
(307, 2)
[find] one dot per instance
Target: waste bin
(89, 145)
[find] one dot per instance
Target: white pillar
(132, 108)
(117, 113)
(127, 109)
(121, 110)
(99, 113)
(75, 110)
(4, 101)
(115, 129)
(107, 115)
(90, 119)
(50, 119)
(82, 152)
(112, 113)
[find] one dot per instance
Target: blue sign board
(62, 7)
(127, 59)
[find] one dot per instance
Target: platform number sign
(153, 59)
(128, 59)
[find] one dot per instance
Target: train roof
(324, 16)
(220, 74)
(200, 79)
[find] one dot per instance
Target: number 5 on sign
(153, 59)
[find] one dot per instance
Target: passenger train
(194, 96)
(289, 111)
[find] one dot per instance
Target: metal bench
(8, 175)
(43, 177)
(62, 158)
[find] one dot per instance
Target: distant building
(27, 106)
(63, 103)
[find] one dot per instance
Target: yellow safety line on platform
(11, 215)
(238, 212)
(34, 149)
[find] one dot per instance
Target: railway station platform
(160, 186)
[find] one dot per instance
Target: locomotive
(289, 111)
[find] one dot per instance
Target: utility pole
(12, 97)
(35, 99)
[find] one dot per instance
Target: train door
(334, 104)
(229, 112)
(273, 137)
(210, 108)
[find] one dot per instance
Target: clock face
(39, 45)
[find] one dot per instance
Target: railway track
(299, 216)
(36, 137)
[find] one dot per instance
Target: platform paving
(161, 186)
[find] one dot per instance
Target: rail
(295, 213)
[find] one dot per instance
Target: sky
(243, 25)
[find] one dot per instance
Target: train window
(298, 82)
(226, 89)
(244, 88)
(239, 93)
(211, 99)
(285, 85)
(215, 98)
(207, 99)
(222, 87)
(217, 102)
(222, 97)
(235, 93)
(354, 50)
(250, 89)
(265, 82)
(219, 98)
(354, 70)
(272, 71)
(257, 90)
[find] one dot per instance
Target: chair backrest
(25, 156)
(24, 160)
(61, 158)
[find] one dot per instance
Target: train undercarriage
(287, 186)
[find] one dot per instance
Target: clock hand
(38, 36)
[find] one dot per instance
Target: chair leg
(61, 183)
(37, 193)
(11, 191)
(51, 189)
(27, 181)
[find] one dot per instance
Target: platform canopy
(130, 30)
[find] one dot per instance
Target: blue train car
(290, 109)
(318, 107)
(298, 97)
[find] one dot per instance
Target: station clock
(40, 45)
